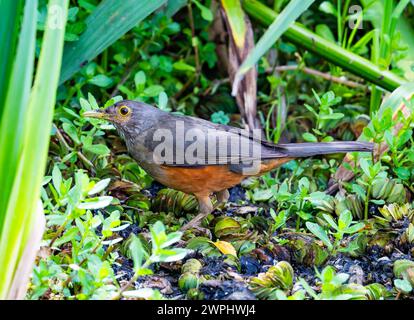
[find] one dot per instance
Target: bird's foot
(195, 222)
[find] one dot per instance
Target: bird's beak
(96, 114)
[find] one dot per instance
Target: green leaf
(318, 231)
(140, 80)
(309, 137)
(163, 101)
(96, 203)
(71, 131)
(355, 228)
(9, 25)
(206, 13)
(56, 178)
(237, 23)
(331, 221)
(182, 66)
(101, 80)
(98, 149)
(138, 252)
(328, 7)
(365, 167)
(100, 186)
(403, 285)
(345, 219)
(324, 31)
(153, 91)
(402, 173)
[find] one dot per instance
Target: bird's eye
(124, 110)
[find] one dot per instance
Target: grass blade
(282, 22)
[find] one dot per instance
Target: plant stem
(367, 201)
(347, 60)
(132, 280)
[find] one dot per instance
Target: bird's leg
(222, 196)
(205, 208)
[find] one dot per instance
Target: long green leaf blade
(283, 21)
(9, 24)
(110, 20)
(23, 201)
(15, 106)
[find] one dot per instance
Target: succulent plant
(190, 278)
(191, 266)
(376, 291)
(227, 227)
(195, 294)
(169, 200)
(188, 281)
(388, 190)
(405, 268)
(340, 203)
(350, 202)
(326, 204)
(278, 277)
(395, 212)
(307, 251)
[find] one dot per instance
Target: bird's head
(120, 113)
(127, 116)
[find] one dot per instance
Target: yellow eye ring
(124, 110)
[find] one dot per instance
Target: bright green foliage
(24, 131)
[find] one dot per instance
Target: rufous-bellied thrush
(200, 157)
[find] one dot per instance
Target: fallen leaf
(225, 247)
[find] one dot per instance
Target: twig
(317, 73)
(193, 37)
(125, 77)
(63, 141)
(131, 281)
(196, 54)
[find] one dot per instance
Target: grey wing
(188, 141)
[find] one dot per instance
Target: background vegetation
(323, 228)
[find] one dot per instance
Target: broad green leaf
(96, 203)
(309, 137)
(99, 186)
(331, 221)
(101, 80)
(345, 219)
(403, 285)
(138, 252)
(355, 228)
(318, 231)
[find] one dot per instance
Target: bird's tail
(299, 150)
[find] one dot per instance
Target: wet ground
(225, 282)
